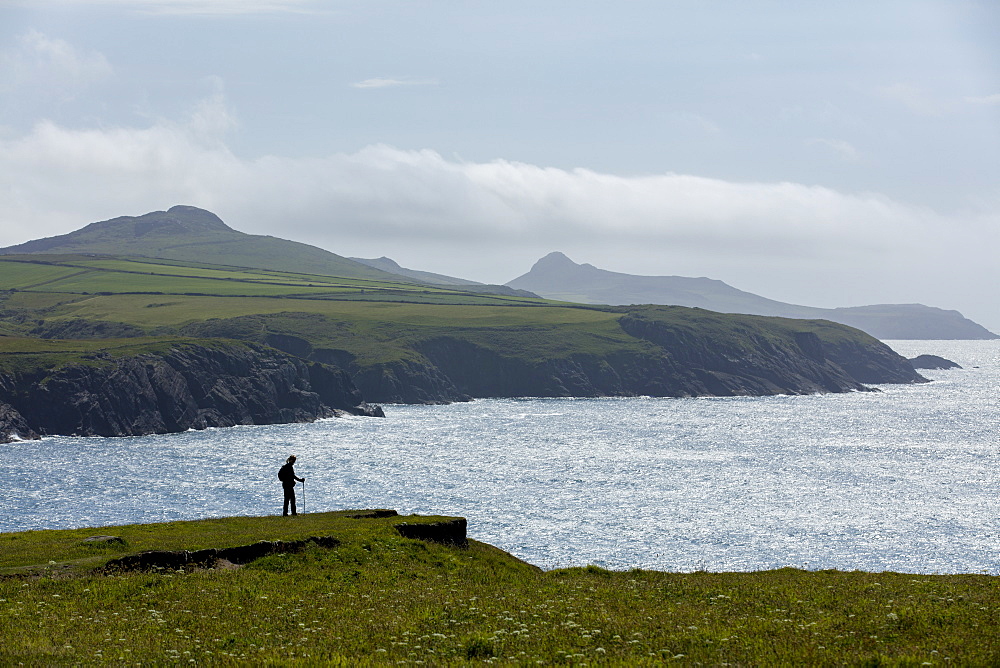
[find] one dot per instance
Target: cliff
(169, 388)
(684, 353)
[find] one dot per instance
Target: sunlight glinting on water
(903, 480)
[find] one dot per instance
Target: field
(380, 599)
(376, 321)
(80, 274)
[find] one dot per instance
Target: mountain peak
(554, 260)
(180, 219)
(190, 234)
(119, 235)
(198, 217)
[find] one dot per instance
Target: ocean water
(905, 479)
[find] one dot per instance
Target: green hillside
(190, 234)
(363, 595)
(408, 343)
(375, 320)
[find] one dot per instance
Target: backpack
(285, 473)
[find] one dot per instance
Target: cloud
(491, 220)
(379, 82)
(42, 63)
(61, 174)
(211, 119)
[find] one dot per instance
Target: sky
(820, 153)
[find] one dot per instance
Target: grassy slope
(376, 321)
(26, 353)
(189, 234)
(378, 598)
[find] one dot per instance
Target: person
(286, 474)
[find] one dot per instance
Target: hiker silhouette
(286, 474)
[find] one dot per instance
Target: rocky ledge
(183, 385)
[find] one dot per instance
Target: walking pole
(303, 497)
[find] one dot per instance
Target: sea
(903, 479)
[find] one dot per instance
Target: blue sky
(828, 154)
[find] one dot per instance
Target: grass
(379, 599)
(405, 333)
(34, 356)
(84, 274)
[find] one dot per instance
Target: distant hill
(189, 234)
(555, 276)
(391, 266)
(387, 264)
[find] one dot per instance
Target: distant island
(174, 320)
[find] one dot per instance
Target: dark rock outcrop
(409, 382)
(186, 386)
(932, 362)
(211, 557)
(450, 532)
(13, 426)
(373, 514)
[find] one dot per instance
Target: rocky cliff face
(776, 360)
(187, 386)
(678, 362)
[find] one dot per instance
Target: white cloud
(211, 118)
(54, 171)
(380, 82)
(490, 220)
(44, 63)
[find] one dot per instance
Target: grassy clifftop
(410, 343)
(376, 598)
